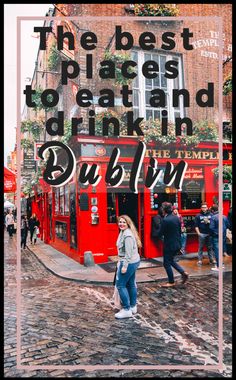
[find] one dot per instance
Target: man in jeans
(171, 231)
(214, 230)
(202, 223)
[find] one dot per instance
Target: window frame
(141, 109)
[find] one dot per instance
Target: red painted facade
(88, 203)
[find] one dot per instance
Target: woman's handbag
(228, 237)
(116, 298)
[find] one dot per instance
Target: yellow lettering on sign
(205, 155)
(196, 155)
(166, 154)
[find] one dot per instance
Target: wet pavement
(64, 267)
(68, 323)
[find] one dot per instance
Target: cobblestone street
(67, 323)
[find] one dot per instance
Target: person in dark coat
(24, 230)
(230, 218)
(33, 223)
(171, 231)
(156, 224)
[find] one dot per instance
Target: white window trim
(170, 83)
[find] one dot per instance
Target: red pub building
(75, 218)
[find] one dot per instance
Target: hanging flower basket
(202, 131)
(227, 85)
(118, 59)
(227, 173)
(155, 10)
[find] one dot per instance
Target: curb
(110, 283)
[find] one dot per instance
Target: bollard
(88, 259)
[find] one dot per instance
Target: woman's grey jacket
(127, 248)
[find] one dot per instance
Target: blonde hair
(131, 225)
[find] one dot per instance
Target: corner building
(76, 218)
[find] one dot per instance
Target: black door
(128, 205)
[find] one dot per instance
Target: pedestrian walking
(24, 230)
(229, 235)
(156, 225)
(10, 220)
(34, 228)
(127, 243)
(214, 231)
(183, 230)
(171, 231)
(230, 218)
(202, 223)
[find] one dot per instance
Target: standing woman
(10, 220)
(32, 220)
(24, 230)
(36, 229)
(127, 243)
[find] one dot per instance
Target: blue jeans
(126, 285)
(205, 239)
(169, 262)
(215, 246)
(183, 241)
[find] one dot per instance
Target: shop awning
(9, 181)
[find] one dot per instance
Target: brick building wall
(199, 66)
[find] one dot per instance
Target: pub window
(162, 193)
(192, 194)
(61, 192)
(66, 200)
(56, 193)
(227, 131)
(61, 230)
(73, 219)
(111, 208)
(142, 87)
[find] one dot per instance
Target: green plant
(205, 131)
(33, 127)
(118, 59)
(227, 85)
(36, 97)
(227, 173)
(107, 114)
(155, 10)
(27, 144)
(67, 132)
(202, 131)
(54, 57)
(28, 188)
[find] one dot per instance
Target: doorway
(128, 205)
